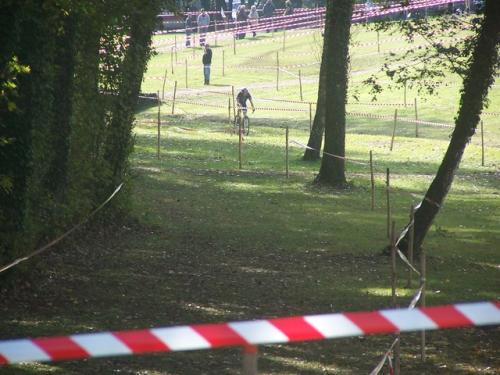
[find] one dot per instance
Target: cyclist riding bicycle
(242, 98)
(242, 119)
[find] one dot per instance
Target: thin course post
(240, 139)
(215, 33)
(310, 117)
(250, 354)
(172, 59)
(186, 61)
(286, 152)
(423, 272)
(159, 125)
(372, 180)
(163, 87)
(234, 45)
(394, 128)
(229, 110)
(234, 104)
(173, 100)
(404, 95)
(397, 348)
(300, 86)
(416, 117)
(482, 144)
(388, 192)
(223, 62)
(393, 263)
(411, 236)
(277, 70)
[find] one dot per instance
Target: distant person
(241, 18)
(189, 23)
(207, 62)
(203, 22)
(268, 11)
(288, 8)
(253, 17)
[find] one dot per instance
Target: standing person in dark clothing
(288, 8)
(268, 11)
(207, 61)
(241, 18)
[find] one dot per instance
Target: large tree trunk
(477, 82)
(119, 141)
(318, 127)
(336, 58)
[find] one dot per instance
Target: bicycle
(244, 121)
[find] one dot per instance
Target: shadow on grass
(213, 244)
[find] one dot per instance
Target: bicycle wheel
(237, 120)
(246, 125)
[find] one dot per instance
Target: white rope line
(58, 239)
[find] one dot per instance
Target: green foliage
(67, 96)
(438, 46)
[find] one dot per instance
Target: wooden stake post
(229, 110)
(250, 354)
(411, 236)
(404, 95)
(240, 139)
(163, 86)
(416, 117)
(159, 125)
(387, 190)
(186, 73)
(372, 179)
(310, 118)
(286, 151)
(234, 104)
(277, 70)
(482, 144)
(234, 44)
(300, 86)
(397, 347)
(215, 33)
(172, 59)
(173, 100)
(423, 276)
(394, 129)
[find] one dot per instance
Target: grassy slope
(208, 242)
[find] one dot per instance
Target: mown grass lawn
(209, 242)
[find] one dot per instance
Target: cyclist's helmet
(244, 90)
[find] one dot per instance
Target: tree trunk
(119, 140)
(336, 59)
(477, 82)
(318, 126)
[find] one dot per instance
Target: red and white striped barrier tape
(243, 333)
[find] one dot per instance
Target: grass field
(209, 242)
